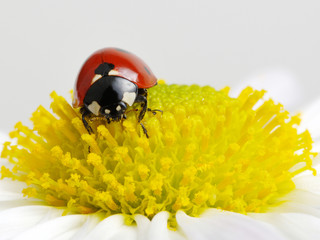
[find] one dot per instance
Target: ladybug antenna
(104, 69)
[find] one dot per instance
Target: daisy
(214, 167)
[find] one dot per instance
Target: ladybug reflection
(109, 81)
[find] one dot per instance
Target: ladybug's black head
(114, 112)
(110, 96)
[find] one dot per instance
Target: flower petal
(68, 235)
(11, 196)
(4, 205)
(158, 227)
(308, 183)
(281, 85)
(311, 118)
(125, 232)
(17, 220)
(91, 222)
(11, 189)
(143, 224)
(3, 138)
(54, 228)
(216, 224)
(293, 225)
(107, 228)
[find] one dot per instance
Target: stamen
(206, 150)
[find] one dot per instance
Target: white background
(44, 43)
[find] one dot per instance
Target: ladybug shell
(126, 65)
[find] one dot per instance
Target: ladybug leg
(144, 104)
(144, 130)
(144, 92)
(142, 97)
(132, 110)
(85, 113)
(154, 111)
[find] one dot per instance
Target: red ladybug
(109, 81)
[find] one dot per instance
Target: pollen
(206, 150)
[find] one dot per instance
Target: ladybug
(109, 82)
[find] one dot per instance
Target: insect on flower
(109, 82)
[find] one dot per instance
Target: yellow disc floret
(207, 150)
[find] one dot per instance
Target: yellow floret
(206, 150)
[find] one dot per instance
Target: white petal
(281, 86)
(11, 189)
(158, 227)
(316, 145)
(67, 235)
(124, 233)
(11, 196)
(53, 228)
(293, 225)
(308, 183)
(92, 221)
(4, 205)
(309, 201)
(216, 224)
(301, 208)
(143, 224)
(3, 137)
(107, 228)
(16, 220)
(311, 118)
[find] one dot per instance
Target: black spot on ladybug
(147, 70)
(104, 69)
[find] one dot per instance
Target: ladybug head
(110, 96)
(114, 112)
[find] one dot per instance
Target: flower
(212, 163)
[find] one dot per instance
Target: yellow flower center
(207, 150)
